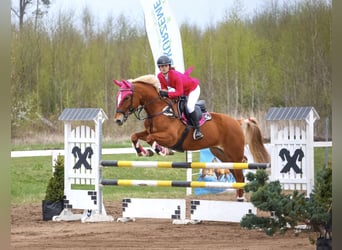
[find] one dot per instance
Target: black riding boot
(195, 121)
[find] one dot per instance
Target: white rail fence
(106, 151)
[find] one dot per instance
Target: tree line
(279, 57)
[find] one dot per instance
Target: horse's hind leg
(239, 177)
(237, 173)
(218, 153)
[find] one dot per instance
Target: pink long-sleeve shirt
(182, 83)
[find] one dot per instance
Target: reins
(137, 111)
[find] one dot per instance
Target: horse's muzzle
(119, 122)
(120, 118)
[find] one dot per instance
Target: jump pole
(193, 165)
(167, 183)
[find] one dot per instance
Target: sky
(195, 12)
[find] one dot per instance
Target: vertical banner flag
(165, 39)
(163, 32)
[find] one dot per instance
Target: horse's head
(124, 100)
(136, 95)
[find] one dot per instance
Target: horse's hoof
(149, 153)
(169, 151)
(240, 199)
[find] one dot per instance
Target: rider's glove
(163, 93)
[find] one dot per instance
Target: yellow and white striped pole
(193, 165)
(167, 183)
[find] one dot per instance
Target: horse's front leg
(140, 151)
(160, 150)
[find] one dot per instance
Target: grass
(320, 157)
(29, 179)
(30, 176)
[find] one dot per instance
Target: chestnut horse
(223, 135)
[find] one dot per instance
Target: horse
(164, 127)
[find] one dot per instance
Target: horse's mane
(148, 79)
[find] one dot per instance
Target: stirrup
(207, 116)
(197, 135)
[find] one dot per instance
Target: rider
(183, 85)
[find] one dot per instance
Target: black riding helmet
(163, 60)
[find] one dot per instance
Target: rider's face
(164, 68)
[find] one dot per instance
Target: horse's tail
(254, 139)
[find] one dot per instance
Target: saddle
(200, 111)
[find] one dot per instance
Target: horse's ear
(127, 84)
(118, 83)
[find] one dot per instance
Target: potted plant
(53, 203)
(287, 209)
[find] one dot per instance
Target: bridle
(130, 107)
(137, 111)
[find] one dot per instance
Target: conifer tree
(289, 209)
(55, 188)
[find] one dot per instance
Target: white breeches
(193, 98)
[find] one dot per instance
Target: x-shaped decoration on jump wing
(291, 160)
(82, 158)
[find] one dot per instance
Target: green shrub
(55, 188)
(289, 209)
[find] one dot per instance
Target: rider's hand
(163, 93)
